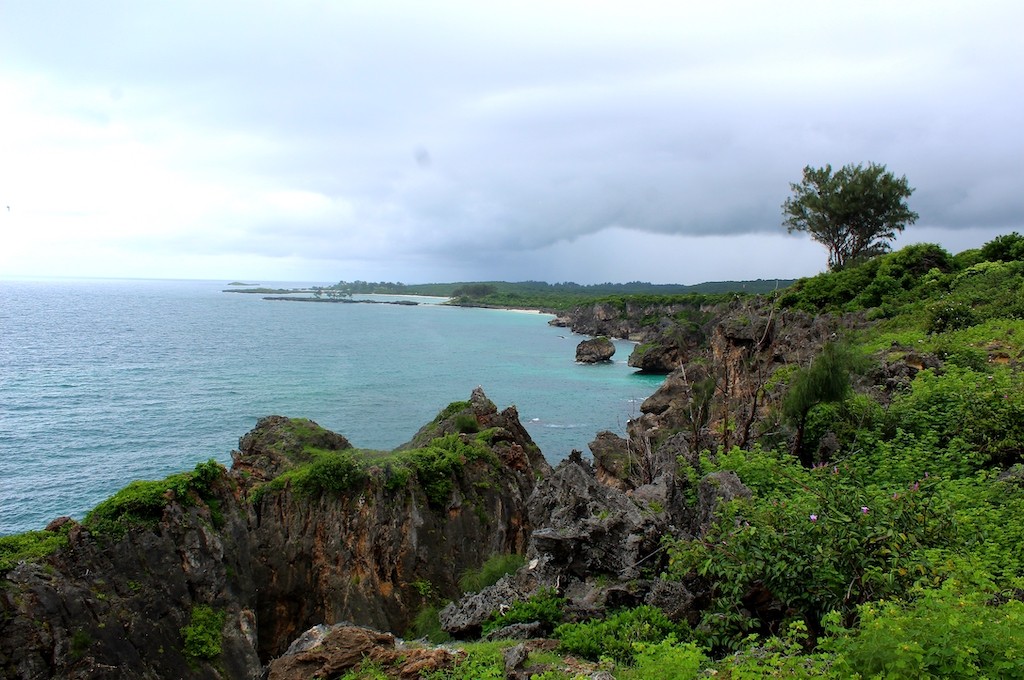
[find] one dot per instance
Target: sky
(459, 141)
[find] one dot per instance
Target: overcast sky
(443, 141)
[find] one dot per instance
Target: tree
(853, 212)
(826, 380)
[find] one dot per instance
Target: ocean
(106, 381)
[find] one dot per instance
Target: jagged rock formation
(595, 350)
(270, 555)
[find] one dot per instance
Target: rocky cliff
(303, 530)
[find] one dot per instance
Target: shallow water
(106, 381)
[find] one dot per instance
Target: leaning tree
(853, 212)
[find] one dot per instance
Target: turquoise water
(104, 382)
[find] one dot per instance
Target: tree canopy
(853, 212)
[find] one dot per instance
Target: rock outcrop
(331, 651)
(595, 350)
(272, 549)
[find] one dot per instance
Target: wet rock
(595, 350)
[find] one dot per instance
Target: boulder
(595, 350)
(330, 651)
(657, 357)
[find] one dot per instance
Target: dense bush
(30, 545)
(616, 636)
(202, 637)
(545, 607)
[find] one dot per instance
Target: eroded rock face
(595, 350)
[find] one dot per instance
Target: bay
(107, 381)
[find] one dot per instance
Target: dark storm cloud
(448, 130)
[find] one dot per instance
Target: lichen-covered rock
(595, 350)
(611, 459)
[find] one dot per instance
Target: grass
(490, 572)
(31, 546)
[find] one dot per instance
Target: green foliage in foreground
(30, 546)
(956, 631)
(203, 636)
(616, 636)
(489, 573)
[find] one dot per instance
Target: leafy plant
(545, 607)
(203, 636)
(617, 636)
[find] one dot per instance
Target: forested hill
(553, 296)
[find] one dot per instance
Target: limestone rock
(595, 350)
(611, 459)
(655, 357)
(714, 490)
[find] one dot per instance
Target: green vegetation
(616, 636)
(545, 607)
(854, 212)
(30, 546)
(203, 636)
(427, 624)
(897, 554)
(79, 643)
(141, 503)
(490, 572)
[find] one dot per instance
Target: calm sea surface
(104, 382)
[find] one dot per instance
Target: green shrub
(666, 660)
(545, 607)
(332, 472)
(950, 632)
(950, 315)
(79, 643)
(203, 636)
(830, 544)
(616, 636)
(141, 503)
(437, 463)
(427, 624)
(496, 566)
(1005, 248)
(467, 424)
